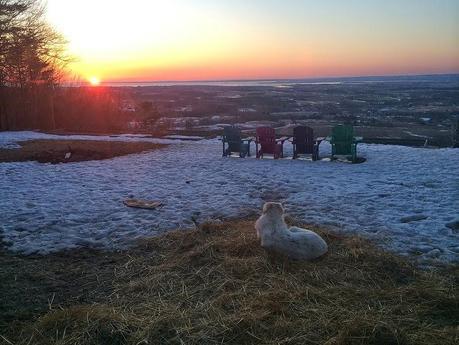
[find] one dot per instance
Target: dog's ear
(266, 207)
(279, 207)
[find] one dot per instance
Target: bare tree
(32, 57)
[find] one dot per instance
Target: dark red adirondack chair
(304, 143)
(266, 143)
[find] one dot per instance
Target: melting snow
(45, 207)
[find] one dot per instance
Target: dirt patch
(66, 151)
(217, 285)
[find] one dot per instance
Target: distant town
(420, 110)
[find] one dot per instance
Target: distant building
(247, 110)
(426, 120)
(127, 107)
(185, 109)
(134, 125)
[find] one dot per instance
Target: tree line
(32, 63)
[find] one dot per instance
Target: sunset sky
(146, 40)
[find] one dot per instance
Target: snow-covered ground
(45, 207)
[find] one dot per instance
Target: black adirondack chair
(233, 142)
(304, 143)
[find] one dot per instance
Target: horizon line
(456, 73)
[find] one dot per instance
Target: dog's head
(273, 208)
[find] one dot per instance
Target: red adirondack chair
(266, 139)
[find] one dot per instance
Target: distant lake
(443, 78)
(242, 83)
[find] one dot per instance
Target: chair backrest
(343, 133)
(232, 135)
(342, 138)
(266, 137)
(303, 138)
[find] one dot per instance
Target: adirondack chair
(343, 141)
(303, 142)
(233, 142)
(266, 139)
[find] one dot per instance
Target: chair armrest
(328, 139)
(320, 139)
(282, 139)
(248, 139)
(358, 139)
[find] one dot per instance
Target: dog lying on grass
(294, 242)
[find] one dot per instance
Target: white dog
(296, 243)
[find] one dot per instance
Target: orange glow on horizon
(182, 40)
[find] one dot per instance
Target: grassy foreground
(215, 285)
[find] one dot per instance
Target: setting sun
(94, 81)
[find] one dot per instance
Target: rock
(99, 237)
(454, 225)
(444, 232)
(423, 249)
(5, 242)
(414, 218)
(82, 242)
(145, 204)
(435, 253)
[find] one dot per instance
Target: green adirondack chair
(344, 142)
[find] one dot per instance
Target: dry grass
(53, 151)
(216, 285)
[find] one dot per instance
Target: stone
(413, 218)
(423, 248)
(435, 253)
(454, 225)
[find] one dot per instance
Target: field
(412, 111)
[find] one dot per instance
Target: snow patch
(183, 137)
(46, 207)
